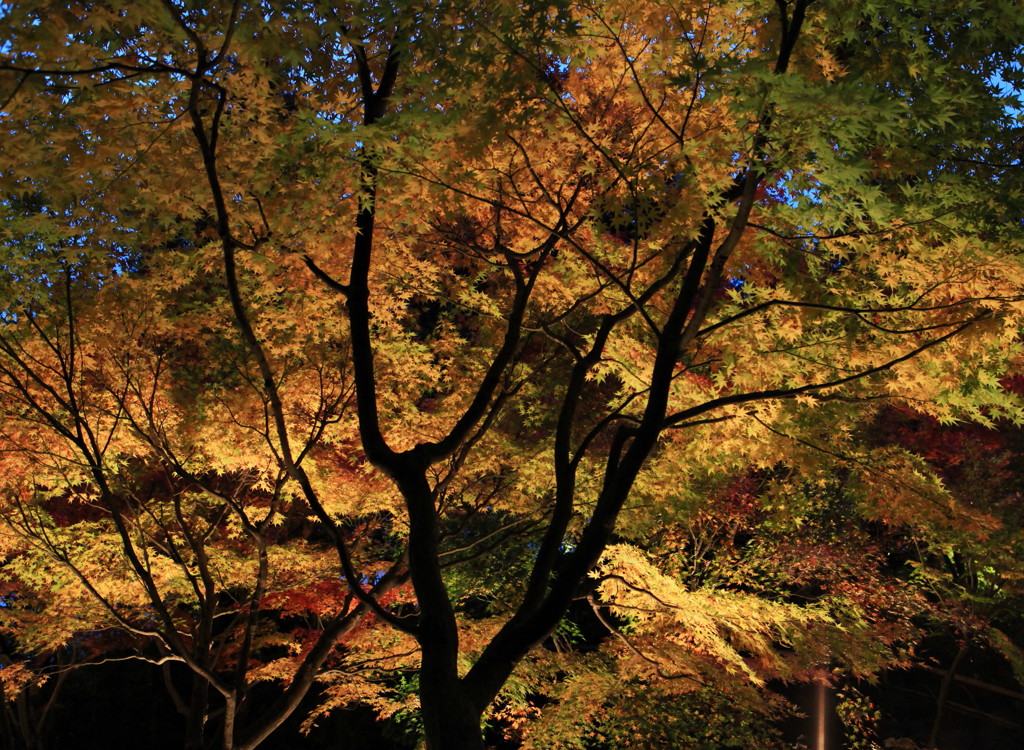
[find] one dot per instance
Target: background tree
(133, 502)
(586, 255)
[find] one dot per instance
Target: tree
(585, 256)
(971, 578)
(133, 502)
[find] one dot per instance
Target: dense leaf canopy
(383, 344)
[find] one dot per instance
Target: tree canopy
(381, 344)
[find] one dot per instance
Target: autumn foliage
(513, 367)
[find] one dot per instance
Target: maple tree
(306, 302)
(134, 510)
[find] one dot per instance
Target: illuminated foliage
(306, 302)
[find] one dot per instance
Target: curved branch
(812, 388)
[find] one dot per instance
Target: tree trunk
(450, 721)
(230, 716)
(940, 706)
(197, 712)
